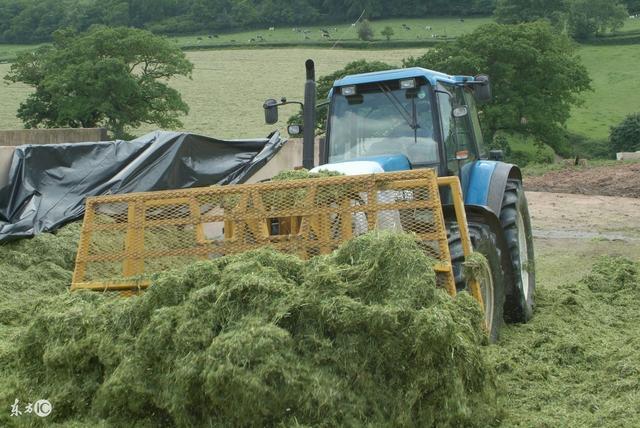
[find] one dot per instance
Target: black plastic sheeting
(48, 184)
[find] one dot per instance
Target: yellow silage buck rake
(127, 238)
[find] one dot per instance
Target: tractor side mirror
(482, 91)
(270, 111)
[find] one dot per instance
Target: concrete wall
(6, 154)
(628, 156)
(289, 157)
(51, 136)
(13, 138)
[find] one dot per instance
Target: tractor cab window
(457, 131)
(382, 119)
(470, 102)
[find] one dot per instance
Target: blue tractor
(417, 118)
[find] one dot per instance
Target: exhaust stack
(309, 116)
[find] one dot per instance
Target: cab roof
(401, 73)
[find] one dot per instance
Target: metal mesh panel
(126, 238)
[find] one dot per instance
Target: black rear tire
(516, 223)
(484, 241)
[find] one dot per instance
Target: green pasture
(311, 36)
(616, 89)
(9, 52)
(229, 85)
(415, 31)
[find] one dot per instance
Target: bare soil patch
(564, 215)
(612, 180)
(571, 232)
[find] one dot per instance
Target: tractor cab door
(458, 129)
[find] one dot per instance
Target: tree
(535, 76)
(365, 32)
(633, 6)
(387, 32)
(582, 18)
(111, 77)
(519, 11)
(626, 136)
(34, 20)
(588, 18)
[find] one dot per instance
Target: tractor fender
(483, 215)
(484, 182)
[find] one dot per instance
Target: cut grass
(576, 363)
(552, 258)
(360, 337)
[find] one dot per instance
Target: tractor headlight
(294, 130)
(348, 91)
(408, 84)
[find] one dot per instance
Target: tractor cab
(406, 119)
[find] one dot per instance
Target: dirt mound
(621, 179)
(359, 337)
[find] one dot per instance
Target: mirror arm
(284, 103)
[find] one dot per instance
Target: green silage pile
(577, 363)
(358, 337)
(30, 270)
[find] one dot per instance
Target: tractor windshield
(382, 119)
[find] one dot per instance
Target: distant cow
(272, 28)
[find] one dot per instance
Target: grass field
(417, 31)
(616, 89)
(9, 52)
(229, 85)
(345, 33)
(312, 36)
